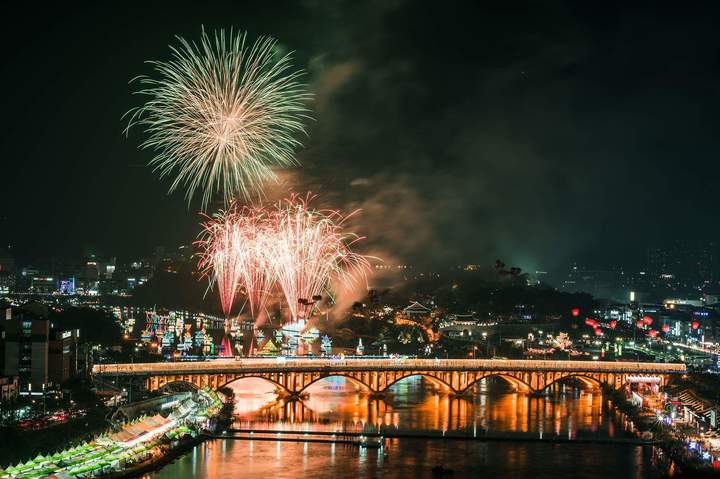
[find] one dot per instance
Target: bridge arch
(279, 386)
(437, 382)
(585, 379)
(354, 381)
(519, 383)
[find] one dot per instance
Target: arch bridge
(375, 376)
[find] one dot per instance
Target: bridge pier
(458, 394)
(292, 396)
(536, 393)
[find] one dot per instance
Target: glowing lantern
(695, 324)
(652, 333)
(647, 320)
(591, 322)
(640, 323)
(613, 324)
(665, 328)
(575, 312)
(598, 332)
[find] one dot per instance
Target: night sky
(540, 133)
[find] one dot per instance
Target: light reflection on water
(413, 404)
(333, 404)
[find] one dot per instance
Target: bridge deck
(230, 366)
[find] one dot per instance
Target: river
(566, 413)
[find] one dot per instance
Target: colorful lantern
(652, 333)
(665, 328)
(647, 320)
(613, 324)
(575, 312)
(695, 324)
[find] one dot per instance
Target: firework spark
(218, 255)
(309, 249)
(252, 252)
(222, 114)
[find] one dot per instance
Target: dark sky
(537, 132)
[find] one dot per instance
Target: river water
(517, 421)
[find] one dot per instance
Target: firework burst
(221, 114)
(300, 249)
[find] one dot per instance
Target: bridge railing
(310, 365)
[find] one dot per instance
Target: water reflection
(413, 404)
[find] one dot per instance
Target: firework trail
(252, 252)
(221, 114)
(309, 249)
(218, 255)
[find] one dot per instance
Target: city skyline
(509, 144)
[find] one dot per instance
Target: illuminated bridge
(377, 375)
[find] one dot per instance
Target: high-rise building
(35, 352)
(26, 347)
(62, 355)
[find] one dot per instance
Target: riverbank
(157, 462)
(672, 456)
(138, 445)
(219, 422)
